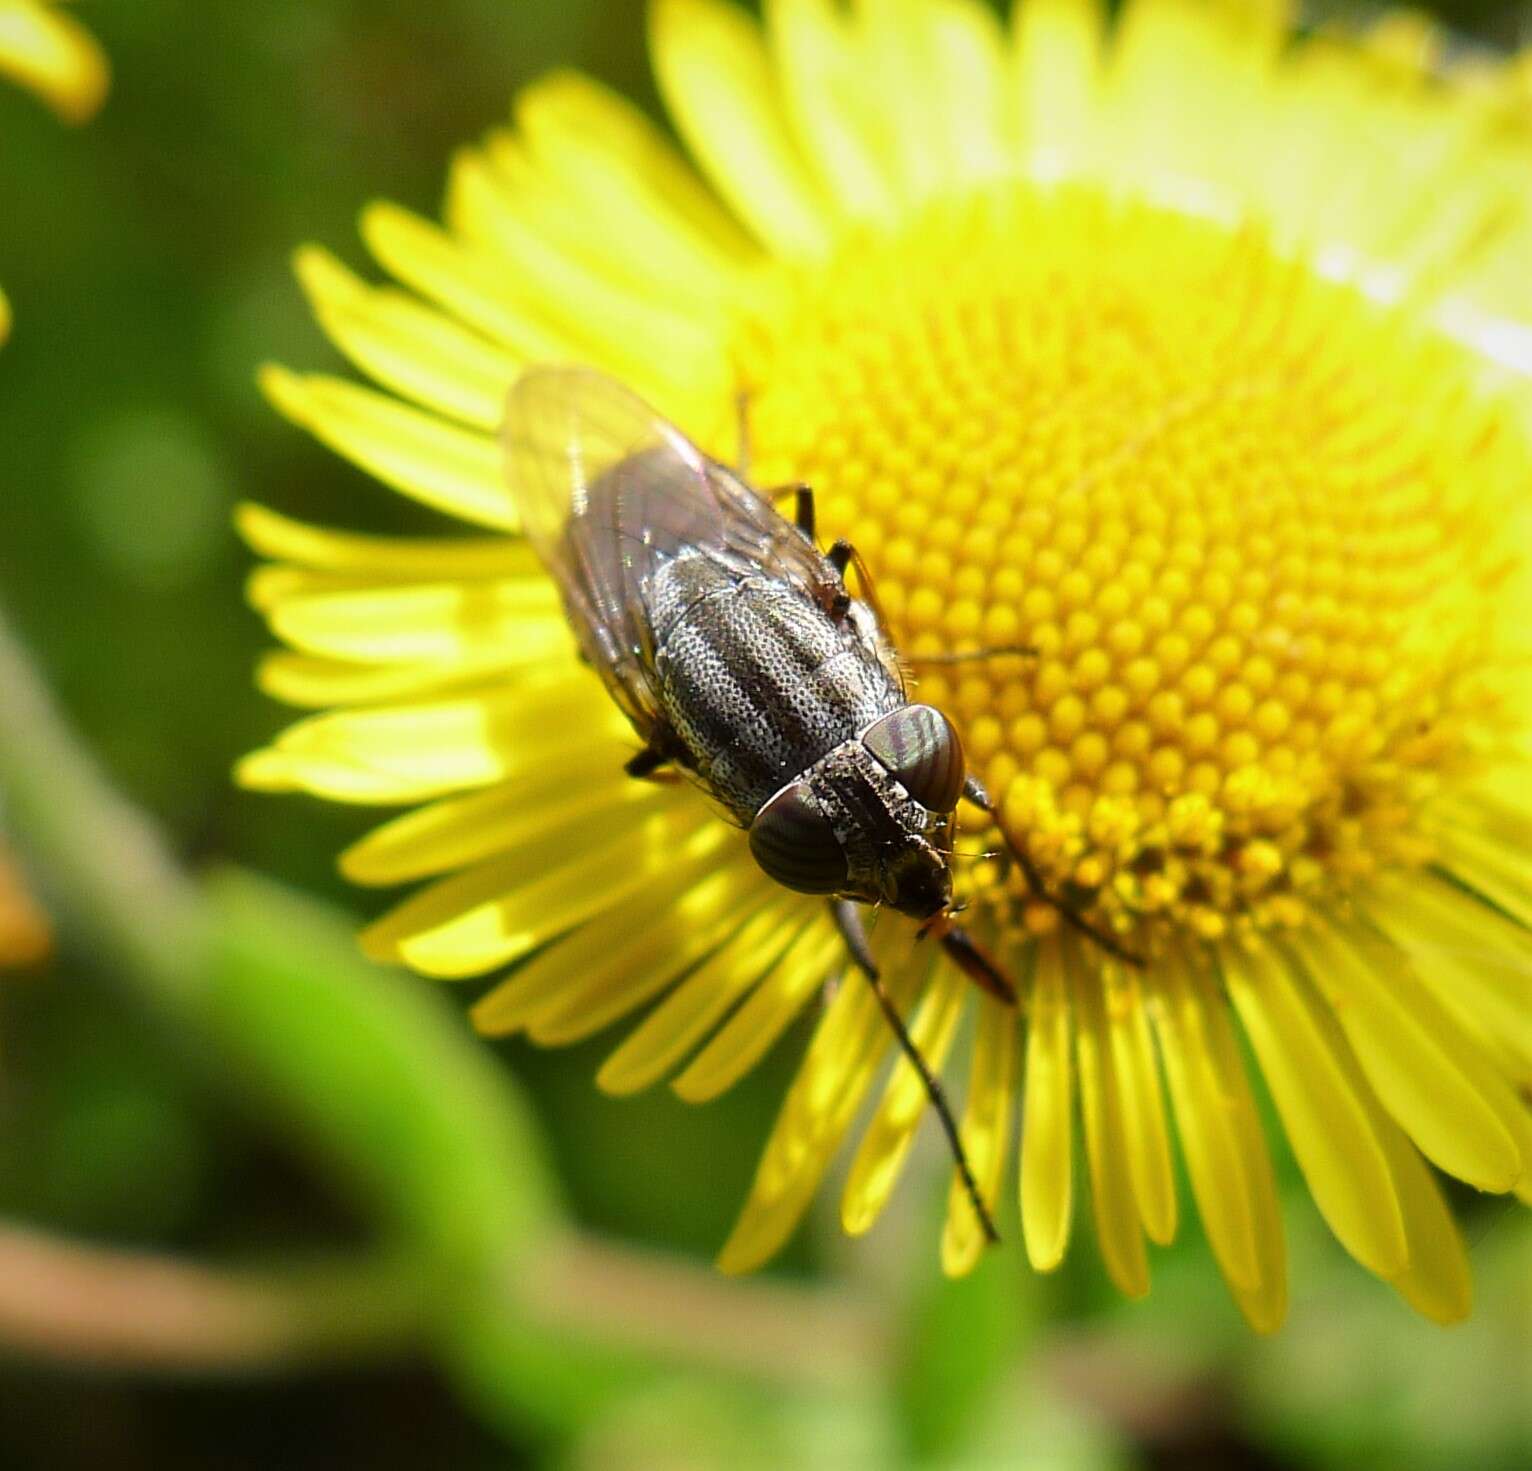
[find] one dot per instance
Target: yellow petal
(829, 99)
(1449, 1097)
(1103, 1112)
(748, 1035)
(1047, 1189)
(436, 463)
(53, 55)
(985, 1132)
(602, 148)
(1148, 1137)
(1474, 960)
(1226, 1155)
(505, 907)
(331, 777)
(701, 1001)
(317, 684)
(885, 1145)
(970, 96)
(1317, 1088)
(716, 79)
(460, 831)
(610, 323)
(699, 921)
(517, 621)
(837, 1071)
(1436, 1280)
(408, 347)
(468, 282)
(469, 741)
(625, 951)
(384, 557)
(1057, 84)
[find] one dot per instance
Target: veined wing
(608, 490)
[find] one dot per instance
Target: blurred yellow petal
(502, 908)
(703, 999)
(1429, 1074)
(712, 67)
(380, 557)
(463, 830)
(850, 1042)
(985, 1131)
(53, 55)
(439, 465)
(749, 1034)
(1057, 81)
(1103, 1109)
(468, 282)
(1226, 1155)
(420, 353)
(829, 100)
(1047, 1107)
(518, 620)
(1148, 1136)
(885, 1145)
(1475, 961)
(615, 161)
(313, 684)
(464, 742)
(701, 918)
(608, 322)
(1318, 1091)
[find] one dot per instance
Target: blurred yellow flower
(1190, 353)
(54, 56)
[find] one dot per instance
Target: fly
(739, 656)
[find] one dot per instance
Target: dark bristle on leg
(848, 920)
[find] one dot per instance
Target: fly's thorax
(757, 680)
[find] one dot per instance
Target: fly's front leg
(976, 963)
(974, 791)
(848, 920)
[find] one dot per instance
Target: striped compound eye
(794, 843)
(922, 752)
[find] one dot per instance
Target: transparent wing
(608, 490)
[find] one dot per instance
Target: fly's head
(860, 823)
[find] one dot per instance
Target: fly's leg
(976, 963)
(974, 791)
(803, 510)
(848, 920)
(660, 751)
(973, 656)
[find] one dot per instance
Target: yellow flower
(1189, 353)
(54, 56)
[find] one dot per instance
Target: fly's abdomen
(757, 680)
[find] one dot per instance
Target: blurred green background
(443, 1253)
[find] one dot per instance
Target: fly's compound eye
(794, 843)
(919, 748)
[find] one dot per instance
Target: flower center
(1244, 517)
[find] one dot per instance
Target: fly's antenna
(848, 921)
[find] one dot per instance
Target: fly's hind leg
(848, 920)
(974, 791)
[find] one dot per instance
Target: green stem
(93, 849)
